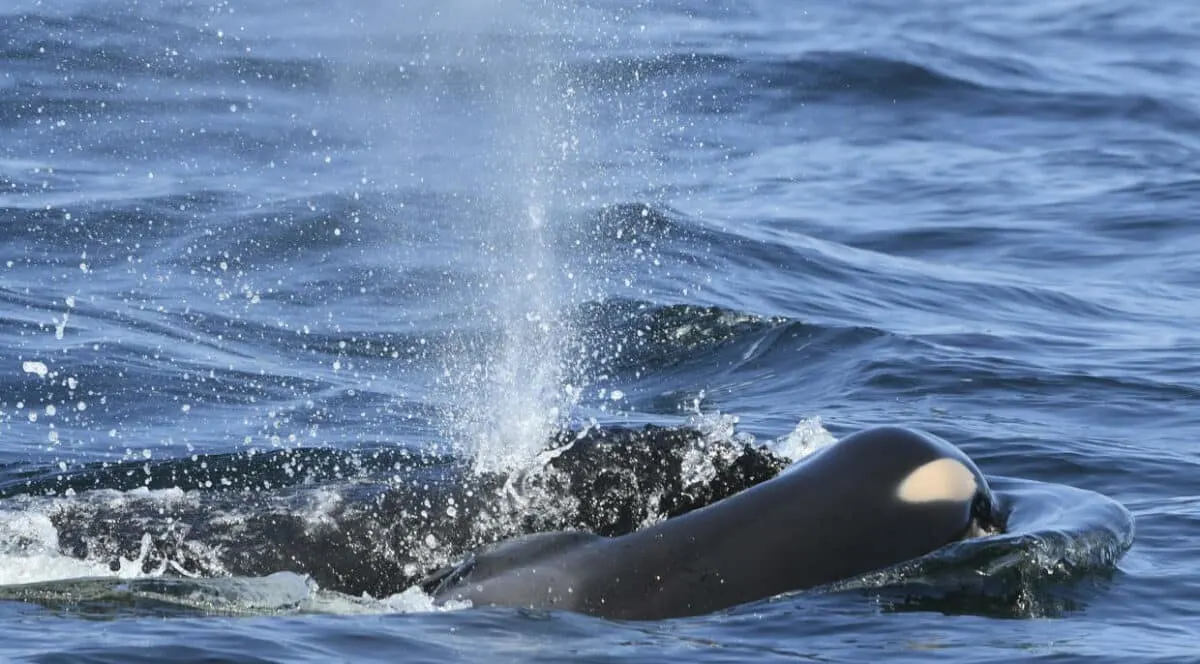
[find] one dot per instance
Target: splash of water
(520, 399)
(512, 394)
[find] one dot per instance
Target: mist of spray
(512, 393)
(484, 119)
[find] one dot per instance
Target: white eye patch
(943, 479)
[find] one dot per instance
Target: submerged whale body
(188, 524)
(367, 530)
(875, 499)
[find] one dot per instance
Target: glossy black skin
(833, 516)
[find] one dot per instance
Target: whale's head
(953, 480)
(913, 479)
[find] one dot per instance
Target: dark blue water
(231, 230)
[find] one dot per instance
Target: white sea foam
(808, 437)
(29, 541)
(29, 553)
(412, 600)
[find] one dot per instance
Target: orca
(874, 499)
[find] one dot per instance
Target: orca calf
(872, 500)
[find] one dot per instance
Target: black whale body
(356, 524)
(875, 499)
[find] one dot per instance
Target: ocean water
(263, 264)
